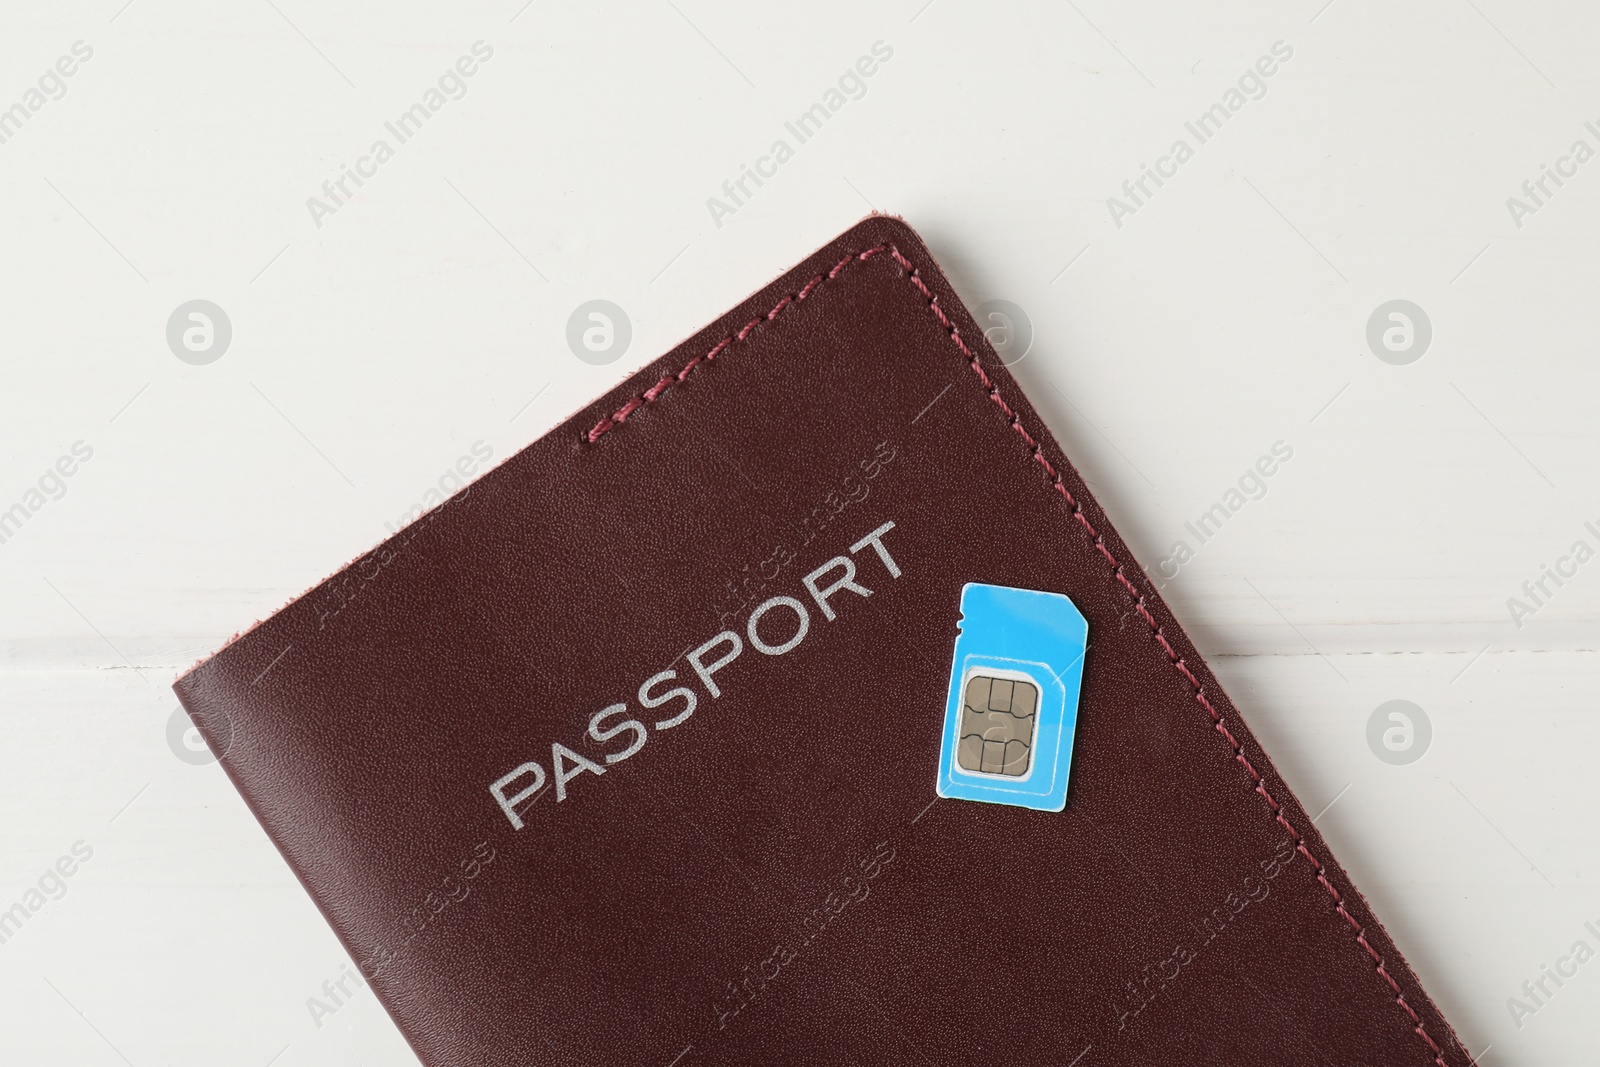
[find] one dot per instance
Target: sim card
(1013, 703)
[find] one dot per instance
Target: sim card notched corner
(1013, 701)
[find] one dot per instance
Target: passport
(643, 747)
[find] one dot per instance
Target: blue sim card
(1013, 701)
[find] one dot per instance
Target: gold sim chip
(998, 716)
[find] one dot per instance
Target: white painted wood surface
(429, 311)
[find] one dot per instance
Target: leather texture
(772, 880)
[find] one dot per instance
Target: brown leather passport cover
(771, 878)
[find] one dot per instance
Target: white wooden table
(1176, 338)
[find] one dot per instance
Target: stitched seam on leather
(650, 395)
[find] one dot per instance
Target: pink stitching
(650, 395)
